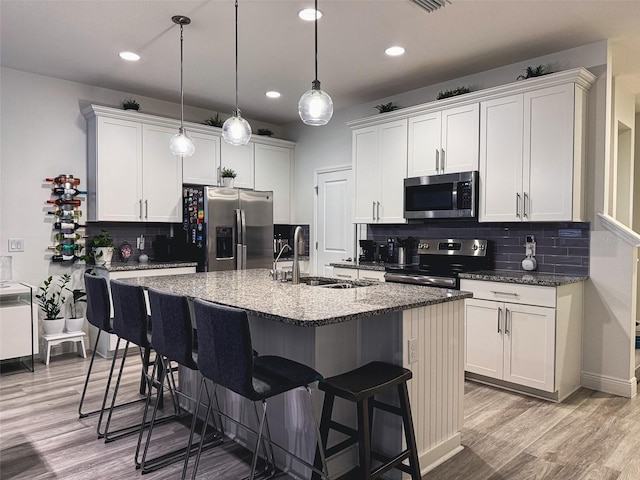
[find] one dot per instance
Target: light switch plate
(16, 245)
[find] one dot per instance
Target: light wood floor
(506, 436)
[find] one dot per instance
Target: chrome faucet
(274, 272)
(298, 243)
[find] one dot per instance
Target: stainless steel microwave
(452, 195)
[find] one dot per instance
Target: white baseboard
(614, 386)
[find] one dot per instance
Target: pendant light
(181, 144)
(236, 130)
(315, 106)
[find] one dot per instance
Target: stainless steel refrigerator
(228, 228)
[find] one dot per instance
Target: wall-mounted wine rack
(66, 204)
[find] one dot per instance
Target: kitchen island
(337, 329)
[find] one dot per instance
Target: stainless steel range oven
(441, 260)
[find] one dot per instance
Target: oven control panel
(453, 246)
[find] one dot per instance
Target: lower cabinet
(358, 274)
(524, 337)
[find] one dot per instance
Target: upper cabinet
(274, 171)
(133, 177)
(444, 141)
(532, 155)
(380, 166)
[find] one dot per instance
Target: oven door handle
(420, 280)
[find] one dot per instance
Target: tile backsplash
(128, 232)
(561, 247)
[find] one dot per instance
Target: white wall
(43, 133)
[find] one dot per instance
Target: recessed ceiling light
(309, 14)
(394, 51)
(273, 94)
(130, 56)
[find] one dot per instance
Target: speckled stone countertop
(302, 305)
(126, 266)
(526, 278)
(381, 267)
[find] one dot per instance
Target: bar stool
(131, 323)
(361, 386)
(173, 341)
(225, 356)
(99, 315)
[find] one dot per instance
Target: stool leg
(202, 434)
(325, 421)
(145, 366)
(149, 379)
(106, 390)
(319, 445)
(364, 439)
(409, 434)
(194, 421)
(254, 461)
(86, 380)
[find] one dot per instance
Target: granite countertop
(150, 265)
(302, 305)
(526, 278)
(361, 265)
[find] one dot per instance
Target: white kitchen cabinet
(132, 175)
(524, 337)
(345, 273)
(273, 167)
(380, 165)
(444, 141)
(239, 158)
(203, 167)
(18, 322)
(530, 156)
(358, 274)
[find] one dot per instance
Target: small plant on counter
(265, 131)
(100, 248)
(130, 104)
(216, 121)
(531, 72)
(453, 92)
(228, 173)
(50, 299)
(386, 107)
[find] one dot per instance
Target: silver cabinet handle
(497, 292)
(140, 202)
(499, 315)
(442, 160)
(524, 205)
(437, 160)
(146, 209)
(518, 205)
(371, 278)
(378, 210)
(373, 211)
(342, 275)
(506, 321)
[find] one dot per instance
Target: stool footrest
(387, 407)
(389, 463)
(339, 427)
(341, 446)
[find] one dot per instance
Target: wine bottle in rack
(67, 191)
(63, 178)
(65, 201)
(69, 236)
(64, 258)
(66, 213)
(67, 226)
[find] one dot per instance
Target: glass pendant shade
(315, 106)
(181, 144)
(236, 130)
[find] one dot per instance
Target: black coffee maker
(367, 251)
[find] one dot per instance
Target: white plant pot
(73, 324)
(53, 327)
(103, 255)
(228, 181)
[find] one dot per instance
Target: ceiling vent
(431, 5)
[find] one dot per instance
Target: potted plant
(386, 107)
(216, 121)
(227, 174)
(130, 104)
(101, 248)
(74, 323)
(50, 299)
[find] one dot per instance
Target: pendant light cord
(316, 38)
(181, 84)
(237, 110)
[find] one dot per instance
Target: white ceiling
(79, 40)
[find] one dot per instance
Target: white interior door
(334, 227)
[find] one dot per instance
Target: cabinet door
(529, 346)
(162, 176)
(118, 171)
(367, 175)
(483, 352)
(273, 172)
(203, 166)
(240, 159)
(345, 273)
(393, 170)
(548, 153)
(424, 140)
(373, 275)
(501, 140)
(460, 138)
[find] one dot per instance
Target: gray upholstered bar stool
(173, 341)
(360, 386)
(225, 356)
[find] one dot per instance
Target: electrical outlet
(16, 245)
(413, 350)
(530, 246)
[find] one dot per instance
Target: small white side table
(57, 339)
